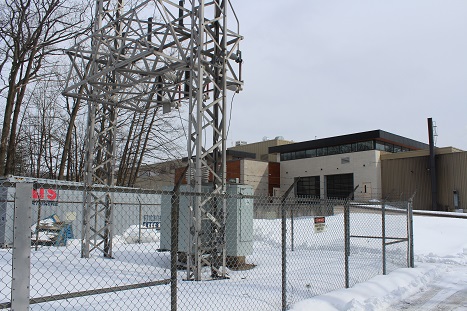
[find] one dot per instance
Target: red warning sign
(320, 220)
(320, 224)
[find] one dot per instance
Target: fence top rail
(17, 179)
(11, 181)
(388, 206)
(440, 214)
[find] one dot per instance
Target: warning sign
(320, 224)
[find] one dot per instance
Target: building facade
(408, 175)
(382, 165)
(341, 166)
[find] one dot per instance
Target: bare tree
(40, 130)
(32, 33)
(149, 137)
(43, 133)
(73, 106)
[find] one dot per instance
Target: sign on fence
(320, 224)
(152, 221)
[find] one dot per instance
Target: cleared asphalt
(447, 293)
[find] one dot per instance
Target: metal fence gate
(336, 243)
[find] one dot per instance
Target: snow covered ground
(315, 267)
(438, 281)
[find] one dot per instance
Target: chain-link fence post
(410, 251)
(284, 244)
(346, 240)
(39, 207)
(21, 263)
(174, 224)
(284, 252)
(347, 234)
(140, 218)
(383, 234)
(292, 228)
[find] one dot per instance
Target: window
(365, 145)
(333, 150)
(286, 156)
(300, 154)
(308, 186)
(389, 147)
(379, 146)
(311, 153)
(321, 152)
(346, 148)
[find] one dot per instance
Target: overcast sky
(321, 68)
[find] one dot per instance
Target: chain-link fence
(240, 252)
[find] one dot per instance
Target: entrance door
(339, 186)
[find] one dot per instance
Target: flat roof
(419, 153)
(348, 139)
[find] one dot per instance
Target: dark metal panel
(400, 178)
(452, 176)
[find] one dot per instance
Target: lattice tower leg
(207, 114)
(100, 147)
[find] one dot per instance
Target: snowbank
(376, 294)
(440, 254)
(135, 234)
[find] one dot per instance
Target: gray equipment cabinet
(239, 221)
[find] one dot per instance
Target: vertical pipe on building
(434, 187)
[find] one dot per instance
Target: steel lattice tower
(159, 53)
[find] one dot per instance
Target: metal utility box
(239, 220)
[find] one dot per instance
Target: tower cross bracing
(159, 53)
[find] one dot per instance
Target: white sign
(320, 224)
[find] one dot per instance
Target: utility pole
(434, 180)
